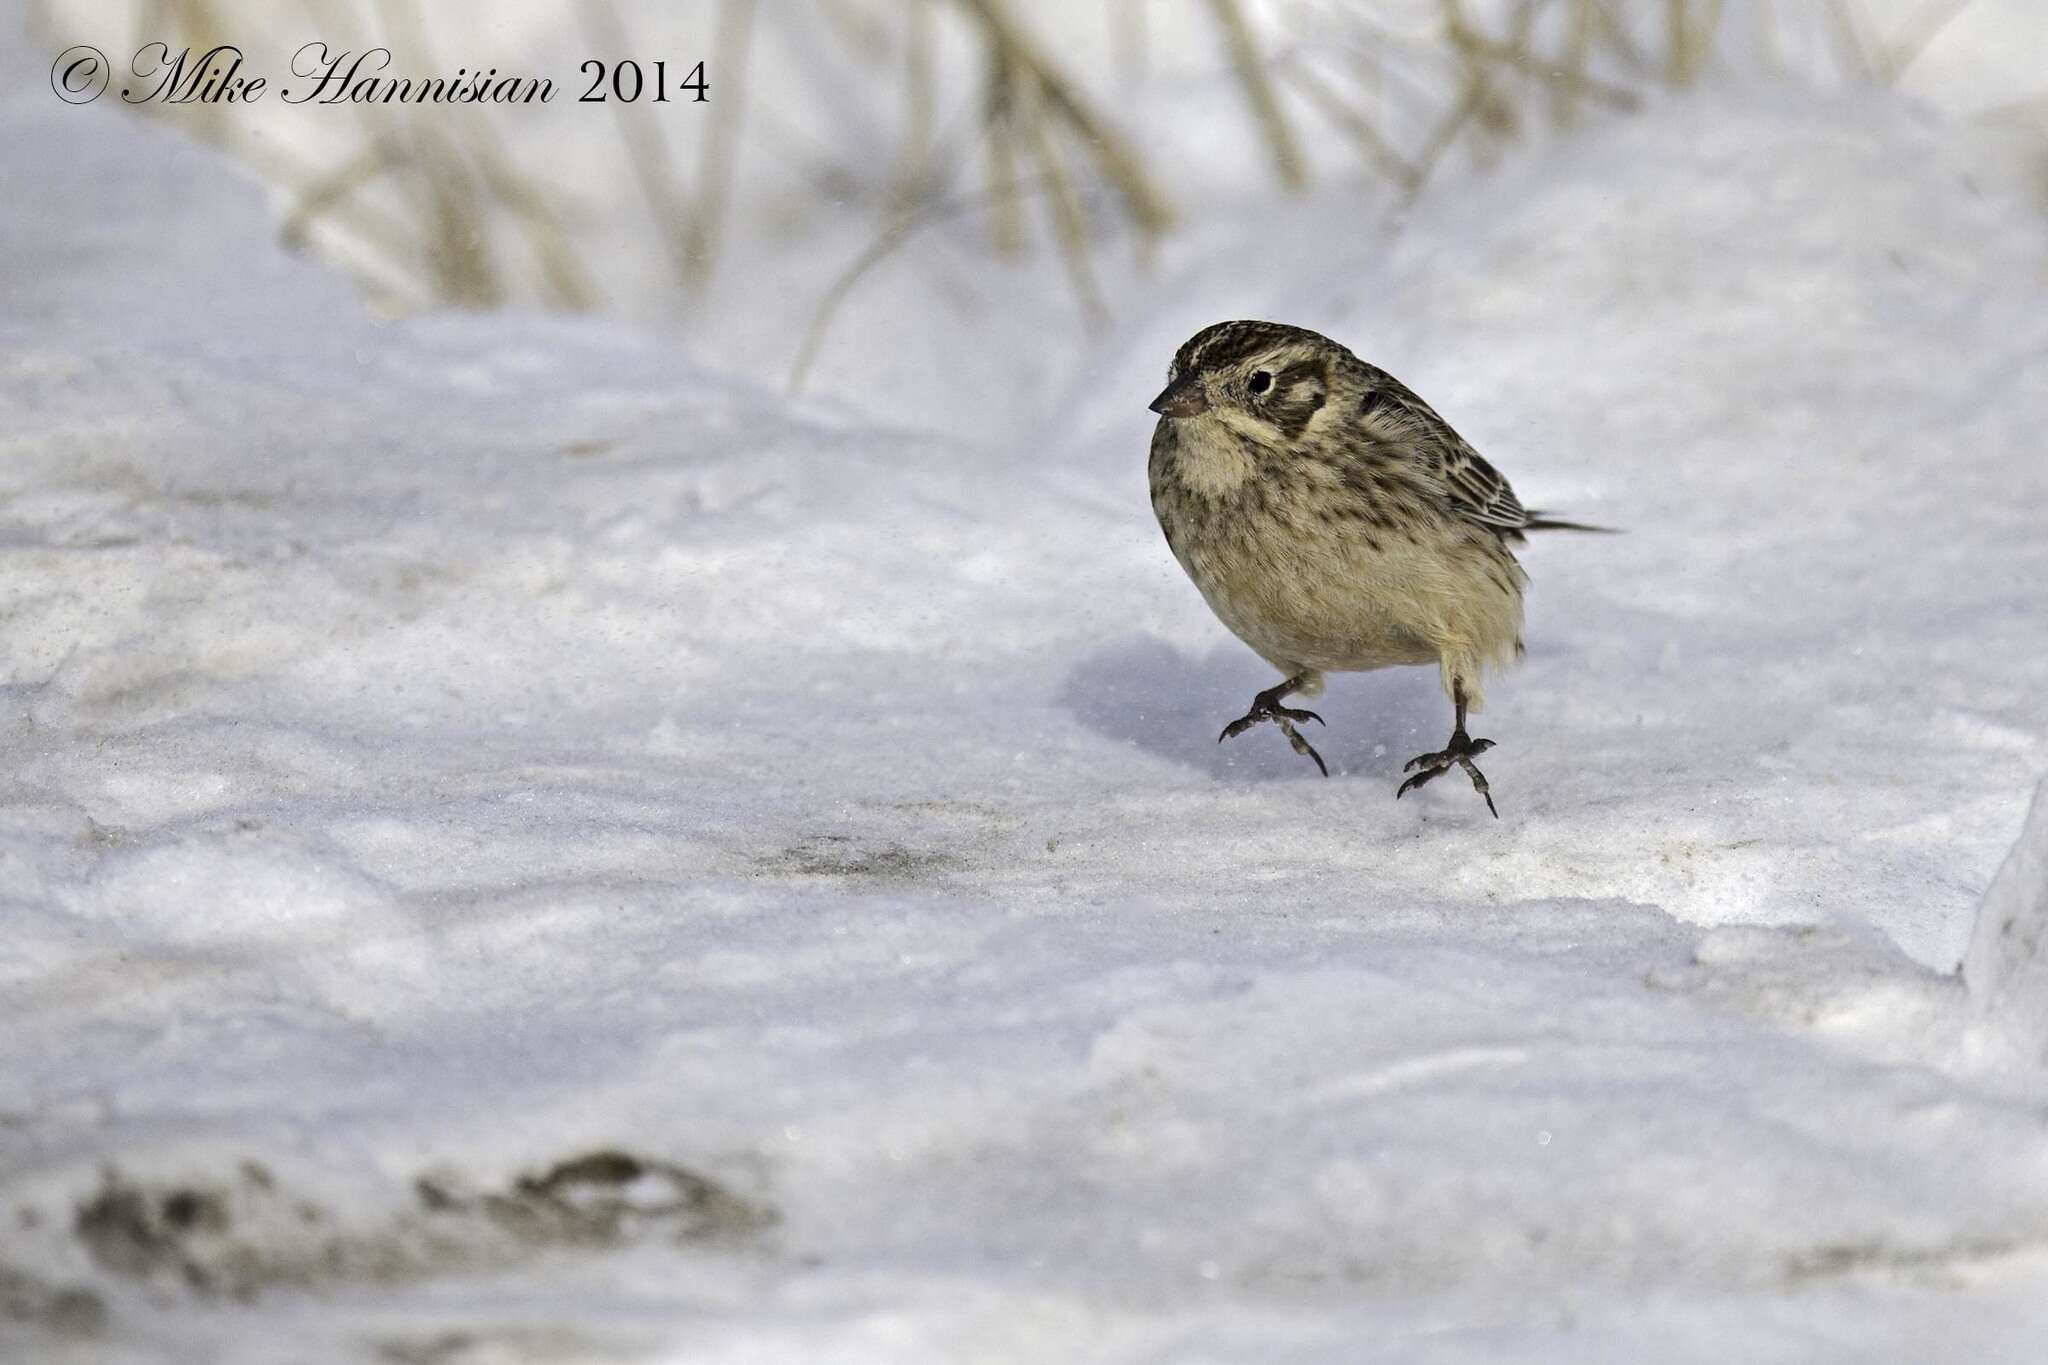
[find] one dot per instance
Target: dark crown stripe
(1226, 343)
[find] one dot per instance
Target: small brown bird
(1336, 524)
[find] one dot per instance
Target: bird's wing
(1478, 490)
(1475, 490)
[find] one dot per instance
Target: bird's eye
(1259, 382)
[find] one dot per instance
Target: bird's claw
(1278, 714)
(1285, 717)
(1439, 761)
(1460, 751)
(1302, 746)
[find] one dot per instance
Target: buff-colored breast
(1289, 564)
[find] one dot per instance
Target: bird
(1335, 523)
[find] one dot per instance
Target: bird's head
(1262, 380)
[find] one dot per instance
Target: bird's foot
(1266, 706)
(1461, 750)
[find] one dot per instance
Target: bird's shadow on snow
(1146, 693)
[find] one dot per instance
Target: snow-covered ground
(519, 843)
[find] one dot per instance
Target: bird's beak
(1182, 398)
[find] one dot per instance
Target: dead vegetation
(239, 1234)
(992, 120)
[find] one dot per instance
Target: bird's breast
(1299, 587)
(1206, 457)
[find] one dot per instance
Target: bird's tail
(1542, 521)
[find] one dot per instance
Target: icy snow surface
(516, 845)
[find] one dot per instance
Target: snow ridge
(2007, 966)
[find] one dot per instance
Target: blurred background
(972, 163)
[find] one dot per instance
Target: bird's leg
(1461, 750)
(1266, 706)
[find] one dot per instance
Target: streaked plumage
(1335, 522)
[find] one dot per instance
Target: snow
(523, 842)
(2005, 964)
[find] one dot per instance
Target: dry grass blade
(1477, 103)
(1679, 59)
(1006, 222)
(721, 131)
(1921, 30)
(326, 194)
(1250, 68)
(1868, 63)
(646, 150)
(1144, 203)
(488, 176)
(1564, 95)
(920, 97)
(1569, 76)
(893, 237)
(458, 251)
(1371, 143)
(380, 248)
(1069, 224)
(1614, 35)
(568, 284)
(905, 227)
(864, 35)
